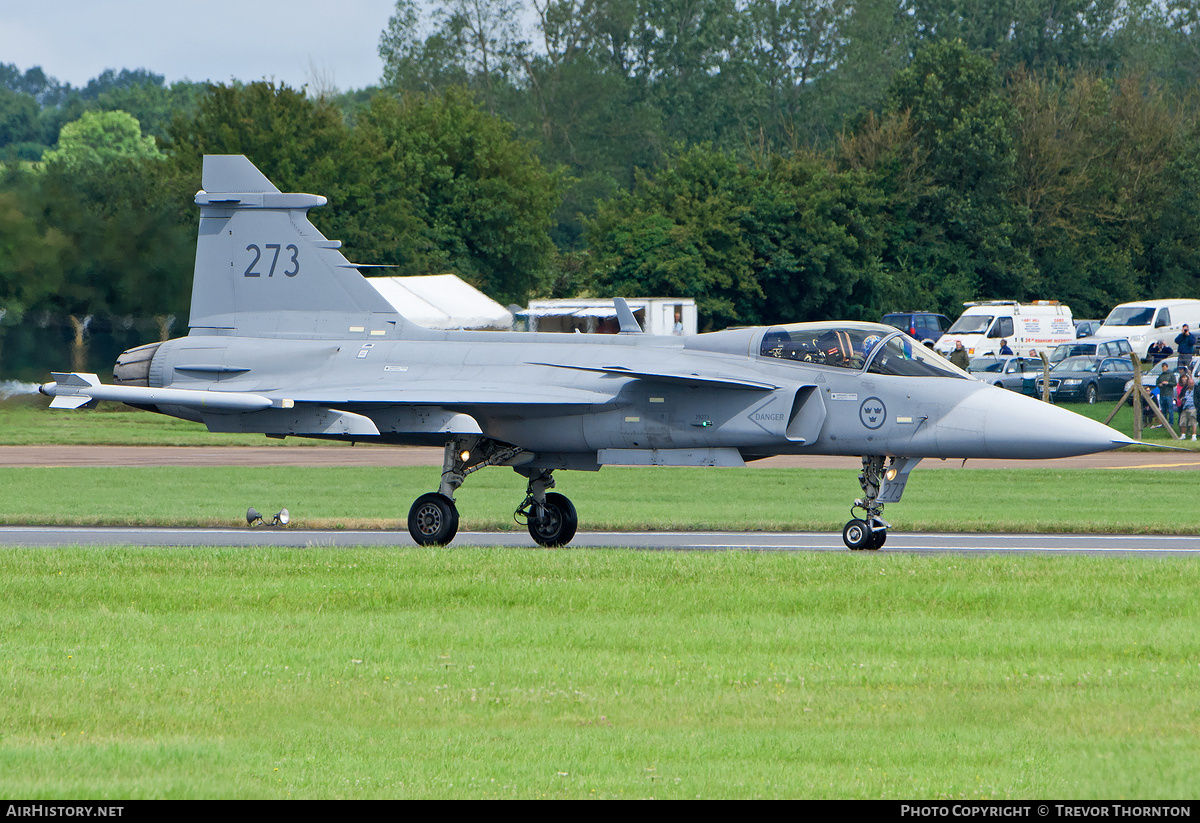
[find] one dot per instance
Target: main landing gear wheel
(433, 519)
(556, 527)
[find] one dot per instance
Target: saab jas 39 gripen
(287, 338)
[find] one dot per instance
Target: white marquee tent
(442, 301)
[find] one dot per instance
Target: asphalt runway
(50, 537)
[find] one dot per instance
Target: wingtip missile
(73, 390)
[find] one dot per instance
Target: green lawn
(448, 673)
(233, 673)
(947, 499)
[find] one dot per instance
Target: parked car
(922, 325)
(1085, 379)
(1091, 348)
(1006, 371)
(1086, 328)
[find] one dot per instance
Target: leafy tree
(472, 41)
(426, 184)
(460, 193)
(18, 119)
(299, 143)
(794, 45)
(1104, 170)
(679, 233)
(779, 241)
(97, 139)
(961, 211)
(416, 58)
(152, 103)
(875, 41)
(1037, 34)
(34, 82)
(30, 259)
(817, 242)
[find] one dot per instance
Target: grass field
(949, 499)
(217, 673)
(482, 673)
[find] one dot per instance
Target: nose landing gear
(879, 486)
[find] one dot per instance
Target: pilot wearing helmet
(868, 346)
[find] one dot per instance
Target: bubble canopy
(878, 349)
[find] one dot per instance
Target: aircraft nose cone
(1022, 427)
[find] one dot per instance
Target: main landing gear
(549, 516)
(870, 531)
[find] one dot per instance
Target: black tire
(433, 520)
(857, 536)
(1091, 394)
(560, 523)
(877, 540)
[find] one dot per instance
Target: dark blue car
(922, 325)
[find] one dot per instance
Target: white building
(657, 315)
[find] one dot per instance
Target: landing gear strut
(869, 532)
(433, 518)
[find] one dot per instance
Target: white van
(1145, 321)
(1029, 328)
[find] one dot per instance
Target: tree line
(776, 160)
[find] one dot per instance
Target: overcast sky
(293, 41)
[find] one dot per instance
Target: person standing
(959, 356)
(1187, 405)
(1166, 382)
(1004, 348)
(1185, 344)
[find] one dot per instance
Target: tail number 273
(292, 256)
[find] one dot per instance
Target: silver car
(1005, 371)
(1091, 348)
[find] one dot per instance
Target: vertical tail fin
(263, 270)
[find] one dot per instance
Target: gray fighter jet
(287, 338)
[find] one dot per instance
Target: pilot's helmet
(869, 344)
